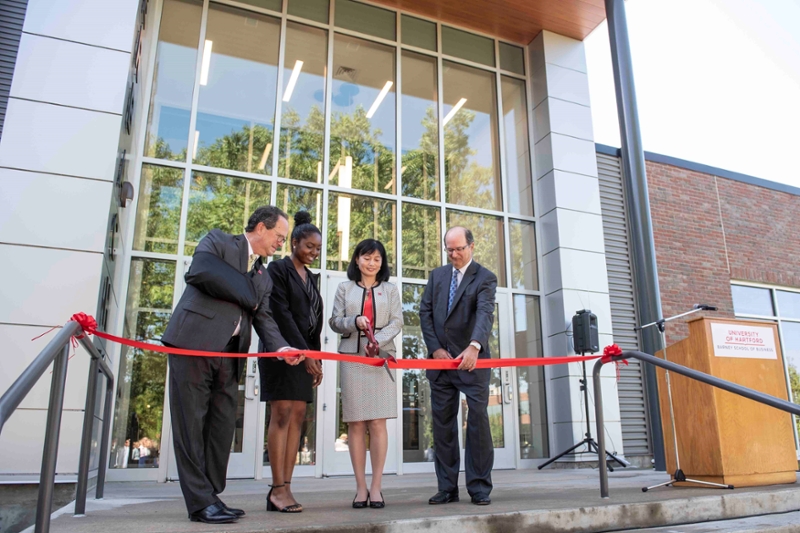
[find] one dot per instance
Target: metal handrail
(714, 381)
(57, 353)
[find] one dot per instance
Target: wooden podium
(722, 437)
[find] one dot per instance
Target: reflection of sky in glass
(791, 345)
(307, 93)
(479, 133)
(751, 300)
(789, 304)
(173, 98)
(347, 97)
(413, 130)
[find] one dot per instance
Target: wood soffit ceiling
(518, 21)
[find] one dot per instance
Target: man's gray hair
(268, 215)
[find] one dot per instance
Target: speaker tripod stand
(588, 441)
(678, 475)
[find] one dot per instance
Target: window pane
(274, 5)
(422, 240)
(417, 417)
(171, 103)
(512, 58)
(467, 46)
(791, 354)
(238, 84)
(363, 117)
(418, 32)
(470, 137)
(517, 148)
(302, 140)
(524, 274)
(136, 439)
(789, 304)
(221, 202)
(366, 19)
(308, 435)
(495, 405)
(420, 141)
(490, 250)
(352, 219)
(310, 9)
(751, 301)
(533, 439)
(293, 199)
(158, 212)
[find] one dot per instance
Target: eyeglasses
(281, 238)
(451, 251)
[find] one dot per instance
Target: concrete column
(57, 166)
(571, 229)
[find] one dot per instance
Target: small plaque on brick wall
(751, 342)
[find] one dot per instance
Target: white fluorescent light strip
(298, 66)
(379, 99)
(453, 111)
(206, 62)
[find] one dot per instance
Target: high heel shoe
(378, 505)
(295, 508)
(360, 505)
(298, 503)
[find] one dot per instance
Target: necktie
(252, 261)
(453, 288)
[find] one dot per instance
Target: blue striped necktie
(453, 288)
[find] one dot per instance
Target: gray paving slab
(773, 523)
(523, 500)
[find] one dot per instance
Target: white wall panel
(19, 351)
(564, 228)
(76, 210)
(46, 287)
(567, 84)
(108, 23)
(569, 118)
(72, 74)
(569, 191)
(23, 440)
(573, 155)
(564, 51)
(59, 140)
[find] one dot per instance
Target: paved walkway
(522, 500)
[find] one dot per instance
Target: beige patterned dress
(367, 391)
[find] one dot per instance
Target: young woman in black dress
(297, 309)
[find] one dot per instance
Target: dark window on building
(12, 15)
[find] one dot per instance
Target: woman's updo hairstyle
(303, 227)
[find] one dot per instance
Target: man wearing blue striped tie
(456, 316)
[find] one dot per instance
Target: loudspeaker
(585, 337)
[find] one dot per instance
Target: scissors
(373, 349)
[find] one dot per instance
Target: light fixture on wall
(206, 62)
(453, 111)
(125, 193)
(379, 99)
(298, 66)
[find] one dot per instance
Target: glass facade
(781, 306)
(362, 121)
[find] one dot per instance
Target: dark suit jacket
(470, 318)
(217, 296)
(291, 306)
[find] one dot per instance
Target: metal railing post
(48, 473)
(601, 435)
(101, 468)
(86, 439)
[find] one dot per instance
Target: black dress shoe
(443, 497)
(377, 505)
(232, 510)
(480, 499)
(361, 504)
(213, 514)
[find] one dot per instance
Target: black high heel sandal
(360, 505)
(298, 503)
(295, 508)
(378, 505)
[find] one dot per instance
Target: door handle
(246, 387)
(509, 394)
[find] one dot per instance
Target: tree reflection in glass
(238, 86)
(490, 250)
(420, 140)
(221, 202)
(293, 199)
(524, 274)
(158, 211)
(362, 116)
(422, 240)
(533, 438)
(352, 219)
(302, 141)
(136, 438)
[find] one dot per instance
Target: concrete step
(773, 523)
(523, 501)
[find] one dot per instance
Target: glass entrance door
(244, 453)
(336, 453)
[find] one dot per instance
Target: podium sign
(722, 437)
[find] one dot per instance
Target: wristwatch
(476, 345)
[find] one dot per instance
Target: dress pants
(478, 449)
(203, 394)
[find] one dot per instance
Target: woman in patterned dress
(369, 395)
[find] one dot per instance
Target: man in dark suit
(456, 315)
(227, 292)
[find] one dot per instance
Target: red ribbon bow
(87, 322)
(609, 352)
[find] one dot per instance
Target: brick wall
(710, 230)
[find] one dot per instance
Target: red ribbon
(609, 352)
(89, 326)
